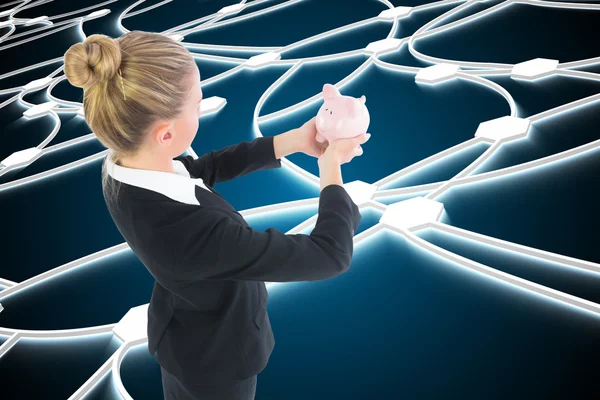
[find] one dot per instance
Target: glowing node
(1, 307)
(231, 9)
(412, 213)
(40, 109)
(383, 45)
(133, 325)
(212, 104)
(533, 69)
(37, 20)
(38, 83)
(395, 12)
(360, 191)
(98, 14)
(262, 59)
(80, 112)
(19, 157)
(506, 127)
(437, 73)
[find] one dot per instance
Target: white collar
(178, 186)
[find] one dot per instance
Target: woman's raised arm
(211, 245)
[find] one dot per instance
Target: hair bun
(97, 59)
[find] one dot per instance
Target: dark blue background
(402, 323)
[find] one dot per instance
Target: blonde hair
(129, 83)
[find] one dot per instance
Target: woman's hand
(344, 150)
(306, 139)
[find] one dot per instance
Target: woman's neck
(148, 162)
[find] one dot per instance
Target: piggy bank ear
(330, 91)
(363, 99)
(352, 105)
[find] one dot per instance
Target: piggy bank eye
(330, 112)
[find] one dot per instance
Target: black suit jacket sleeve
(233, 161)
(212, 245)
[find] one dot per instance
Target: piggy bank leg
(320, 138)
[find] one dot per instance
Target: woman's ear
(330, 91)
(163, 132)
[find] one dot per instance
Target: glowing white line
(379, 206)
(387, 193)
(383, 64)
(6, 283)
(517, 248)
(6, 35)
(327, 57)
(45, 276)
(459, 22)
(31, 31)
(116, 366)
(219, 58)
(65, 167)
(38, 36)
(9, 343)
(60, 101)
(466, 171)
(200, 26)
(251, 15)
(494, 86)
(503, 172)
(306, 102)
(578, 74)
(82, 9)
(328, 33)
(358, 238)
(553, 4)
(68, 143)
(565, 107)
(428, 6)
(14, 2)
(162, 3)
(396, 67)
(313, 38)
(230, 48)
(24, 6)
(9, 100)
(54, 132)
(124, 13)
(136, 3)
(30, 67)
(93, 380)
(500, 275)
(429, 160)
(59, 333)
(442, 17)
(505, 68)
(190, 23)
(580, 63)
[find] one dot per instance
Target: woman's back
(207, 318)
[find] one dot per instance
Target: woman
(207, 317)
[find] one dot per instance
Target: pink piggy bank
(341, 116)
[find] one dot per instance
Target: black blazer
(207, 317)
